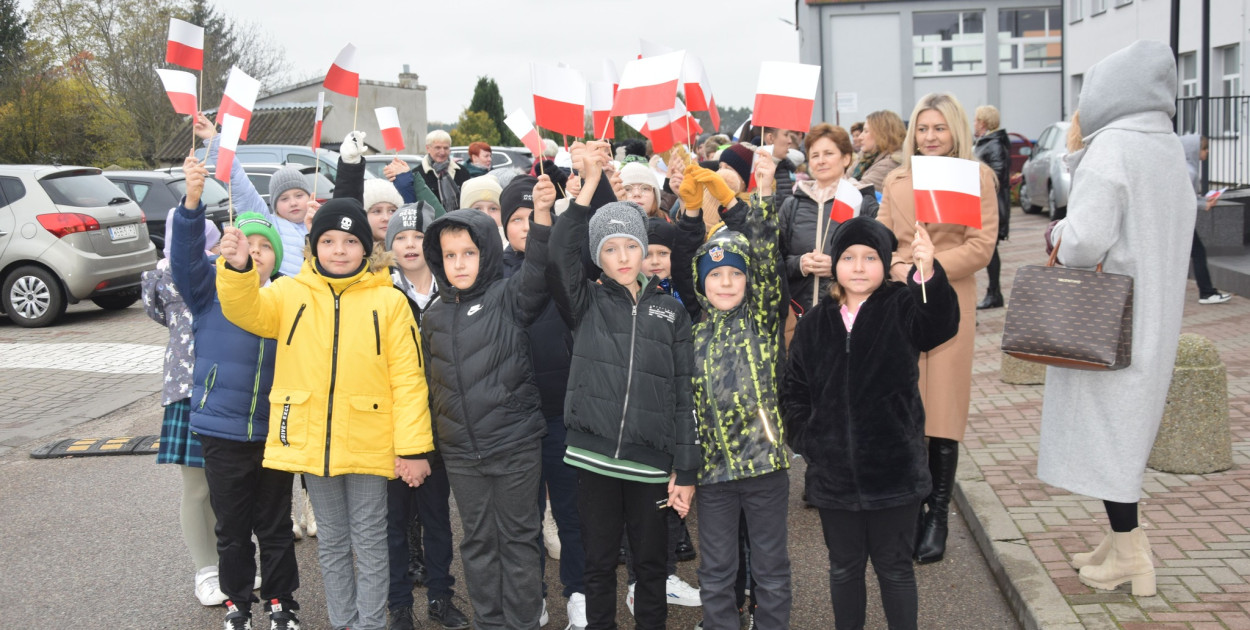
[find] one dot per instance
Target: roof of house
(274, 123)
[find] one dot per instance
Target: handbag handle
(1054, 257)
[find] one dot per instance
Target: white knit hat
(639, 173)
(481, 188)
(380, 190)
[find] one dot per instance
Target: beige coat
(879, 170)
(946, 371)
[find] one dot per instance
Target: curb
(1023, 580)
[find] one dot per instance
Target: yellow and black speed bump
(74, 447)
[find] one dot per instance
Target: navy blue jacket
(551, 347)
(233, 368)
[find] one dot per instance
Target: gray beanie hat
(619, 218)
(284, 179)
(412, 216)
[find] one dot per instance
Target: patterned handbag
(1070, 318)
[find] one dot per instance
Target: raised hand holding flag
(239, 98)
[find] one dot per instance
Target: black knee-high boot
(943, 458)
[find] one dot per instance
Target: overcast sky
(450, 43)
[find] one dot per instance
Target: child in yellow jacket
(349, 402)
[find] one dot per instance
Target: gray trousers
(351, 516)
(764, 500)
(495, 498)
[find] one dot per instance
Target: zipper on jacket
(629, 379)
(377, 334)
(420, 359)
(208, 385)
(295, 323)
(334, 370)
(455, 351)
(251, 412)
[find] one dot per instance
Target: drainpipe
(1206, 86)
(1176, 51)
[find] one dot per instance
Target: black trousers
(429, 502)
(1202, 275)
(888, 537)
(605, 505)
(993, 269)
(247, 499)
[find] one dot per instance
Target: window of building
(1078, 81)
(1029, 39)
(1187, 104)
(1120, 3)
(1097, 6)
(1229, 60)
(1076, 10)
(949, 42)
(1226, 112)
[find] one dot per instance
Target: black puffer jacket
(851, 402)
(798, 237)
(551, 346)
(485, 400)
(630, 393)
(994, 149)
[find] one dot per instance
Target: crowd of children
(612, 346)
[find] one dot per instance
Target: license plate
(123, 231)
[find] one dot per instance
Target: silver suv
(67, 234)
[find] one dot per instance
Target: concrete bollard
(1195, 437)
(1015, 371)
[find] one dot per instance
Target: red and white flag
(694, 81)
(231, 127)
(611, 75)
(786, 95)
(185, 46)
(947, 190)
(559, 99)
(639, 123)
(239, 98)
(601, 109)
(321, 108)
(649, 85)
(180, 86)
(344, 74)
(847, 201)
(388, 122)
(522, 128)
(671, 127)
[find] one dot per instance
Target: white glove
(353, 147)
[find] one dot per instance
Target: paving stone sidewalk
(1198, 525)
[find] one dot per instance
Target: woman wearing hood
(1128, 187)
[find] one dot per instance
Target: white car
(1046, 178)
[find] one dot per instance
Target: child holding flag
(853, 408)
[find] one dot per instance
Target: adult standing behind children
(993, 147)
(442, 174)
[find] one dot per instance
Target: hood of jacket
(485, 235)
(734, 243)
(1134, 80)
(379, 263)
(1192, 144)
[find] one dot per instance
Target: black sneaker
(445, 612)
(237, 618)
(401, 618)
(282, 615)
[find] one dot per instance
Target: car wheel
(1025, 205)
(33, 297)
(117, 301)
(1056, 212)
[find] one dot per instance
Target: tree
(474, 127)
(730, 119)
(12, 37)
(486, 99)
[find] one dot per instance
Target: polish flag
(185, 46)
(522, 128)
(239, 98)
(559, 99)
(638, 122)
(671, 127)
(847, 201)
(601, 109)
(694, 81)
(649, 84)
(231, 128)
(344, 74)
(947, 190)
(786, 95)
(388, 122)
(180, 86)
(321, 108)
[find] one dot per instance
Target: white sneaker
(682, 594)
(310, 524)
(577, 612)
(543, 618)
(207, 587)
(1219, 297)
(551, 534)
(629, 599)
(256, 583)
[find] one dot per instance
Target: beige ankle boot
(1127, 559)
(1097, 556)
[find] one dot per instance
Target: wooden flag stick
(198, 93)
(604, 135)
(355, 112)
(924, 295)
(820, 240)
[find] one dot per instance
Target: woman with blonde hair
(880, 142)
(939, 127)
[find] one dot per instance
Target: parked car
(376, 162)
(157, 193)
(260, 174)
(1021, 147)
(1046, 177)
(500, 157)
(67, 234)
(287, 154)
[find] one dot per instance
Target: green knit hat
(255, 223)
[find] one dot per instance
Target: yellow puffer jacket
(349, 390)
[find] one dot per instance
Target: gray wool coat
(1131, 208)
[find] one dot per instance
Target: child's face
(725, 287)
(407, 250)
(489, 207)
(460, 258)
(263, 256)
(659, 261)
(340, 252)
(518, 228)
(379, 217)
(621, 258)
(860, 271)
(292, 205)
(642, 195)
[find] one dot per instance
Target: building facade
(886, 54)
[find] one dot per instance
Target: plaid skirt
(178, 444)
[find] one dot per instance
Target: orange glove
(691, 191)
(717, 186)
